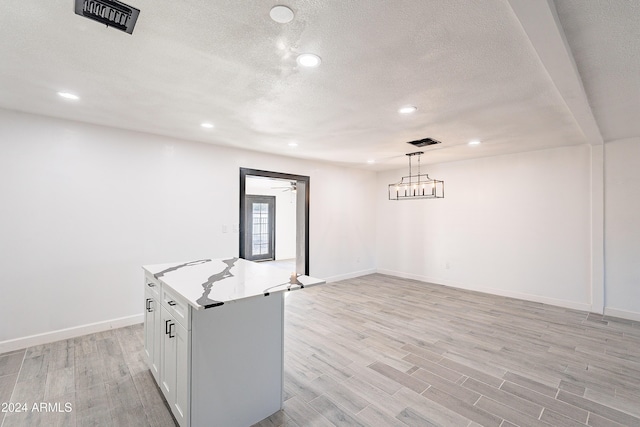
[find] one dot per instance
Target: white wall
(83, 207)
(515, 225)
(622, 228)
(285, 213)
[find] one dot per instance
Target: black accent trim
(292, 281)
(217, 304)
(424, 142)
(244, 172)
(112, 13)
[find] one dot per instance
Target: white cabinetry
(166, 345)
(174, 369)
(220, 367)
(152, 326)
(216, 335)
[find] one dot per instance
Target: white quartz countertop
(209, 283)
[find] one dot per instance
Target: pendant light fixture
(418, 186)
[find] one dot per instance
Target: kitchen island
(214, 338)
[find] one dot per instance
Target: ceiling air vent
(111, 13)
(424, 142)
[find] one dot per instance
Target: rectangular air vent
(111, 13)
(424, 142)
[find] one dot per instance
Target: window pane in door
(260, 228)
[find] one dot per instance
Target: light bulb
(407, 109)
(67, 95)
(308, 60)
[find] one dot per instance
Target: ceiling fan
(291, 187)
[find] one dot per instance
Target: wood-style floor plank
(373, 351)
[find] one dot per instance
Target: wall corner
(597, 229)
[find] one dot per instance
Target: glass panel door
(260, 222)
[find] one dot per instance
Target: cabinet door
(174, 367)
(168, 357)
(151, 336)
(157, 329)
(181, 404)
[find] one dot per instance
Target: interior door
(260, 225)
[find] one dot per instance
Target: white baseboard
(350, 275)
(623, 314)
(493, 291)
(64, 334)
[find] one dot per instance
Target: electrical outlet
(225, 228)
(446, 265)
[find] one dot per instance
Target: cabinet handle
(170, 330)
(172, 303)
(166, 326)
(149, 301)
(151, 285)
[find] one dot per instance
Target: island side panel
(237, 362)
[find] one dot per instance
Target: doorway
(297, 187)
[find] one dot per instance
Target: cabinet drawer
(152, 285)
(177, 307)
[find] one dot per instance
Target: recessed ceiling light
(281, 14)
(308, 60)
(408, 109)
(67, 95)
(474, 142)
(207, 125)
(293, 144)
(371, 161)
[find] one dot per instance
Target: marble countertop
(209, 283)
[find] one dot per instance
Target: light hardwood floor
(374, 351)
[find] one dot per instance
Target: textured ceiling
(605, 41)
(470, 67)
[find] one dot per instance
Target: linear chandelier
(418, 186)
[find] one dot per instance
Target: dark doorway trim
(244, 172)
